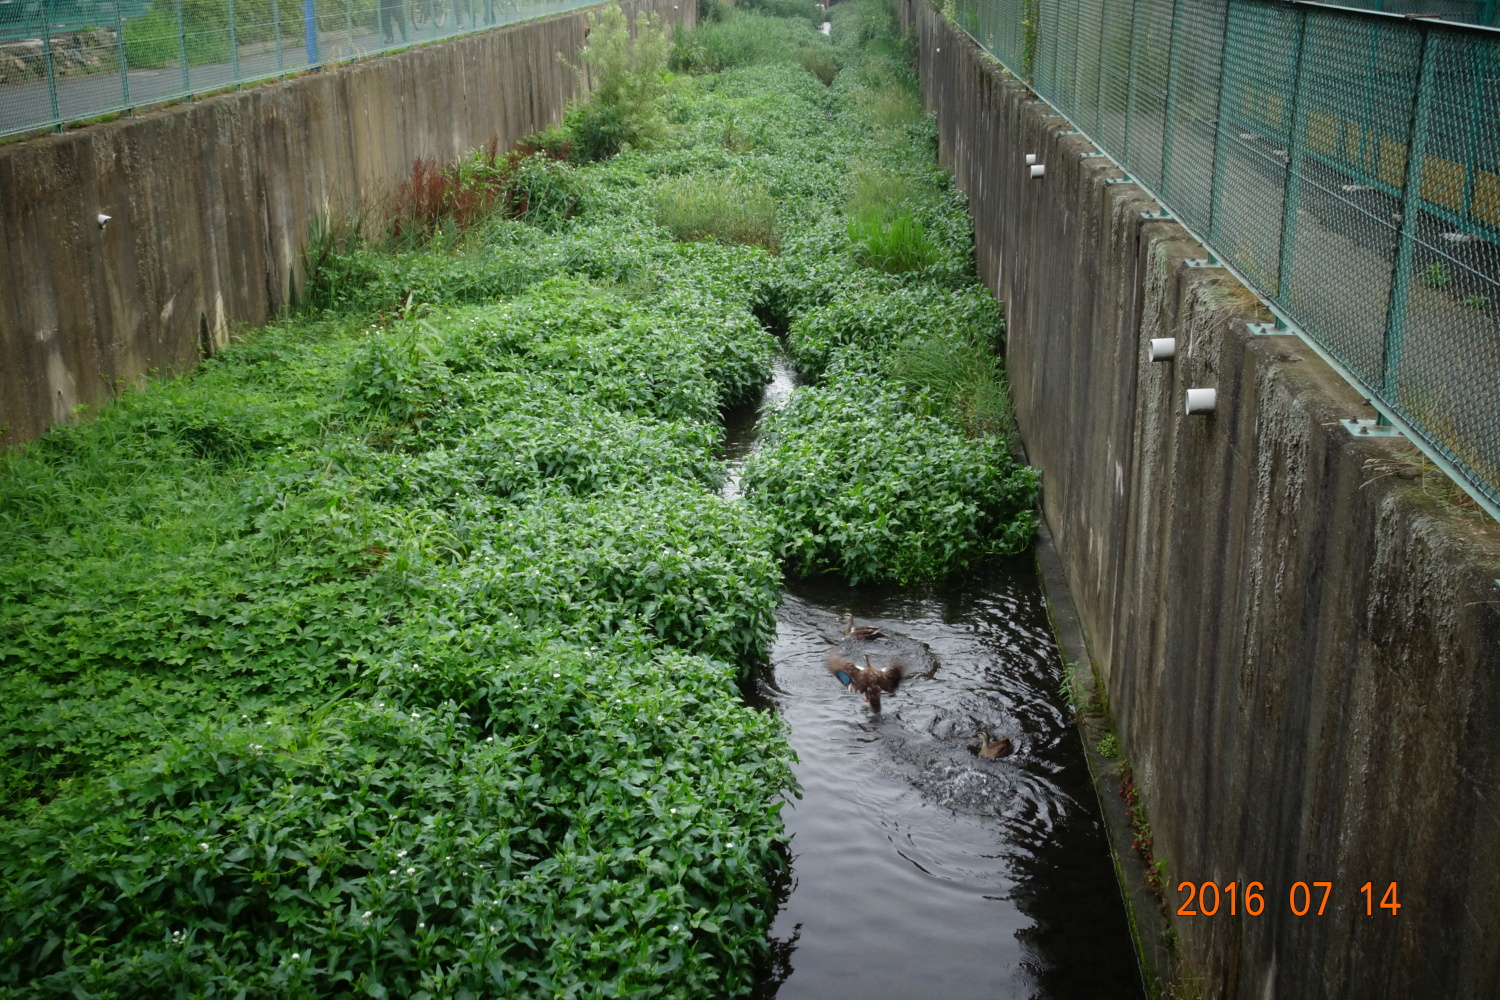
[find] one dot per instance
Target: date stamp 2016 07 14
(1210, 899)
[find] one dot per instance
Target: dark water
(919, 870)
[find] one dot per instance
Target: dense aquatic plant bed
(876, 489)
(395, 651)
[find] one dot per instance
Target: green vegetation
(396, 650)
(722, 210)
(873, 487)
(628, 72)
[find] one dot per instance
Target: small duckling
(868, 680)
(864, 633)
(990, 749)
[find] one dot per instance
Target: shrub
(892, 105)
(820, 62)
(805, 10)
(628, 77)
(722, 211)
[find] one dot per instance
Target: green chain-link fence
(1346, 162)
(67, 60)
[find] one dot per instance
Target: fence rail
(68, 60)
(1345, 162)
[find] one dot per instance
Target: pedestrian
(392, 16)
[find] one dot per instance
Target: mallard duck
(990, 749)
(869, 680)
(865, 633)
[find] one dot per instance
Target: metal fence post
(47, 57)
(182, 47)
(1167, 131)
(349, 22)
(1411, 201)
(276, 27)
(1094, 126)
(310, 31)
(1480, 69)
(234, 46)
(1296, 150)
(1216, 177)
(1135, 14)
(120, 57)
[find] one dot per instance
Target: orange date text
(1303, 899)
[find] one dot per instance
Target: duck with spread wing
(869, 680)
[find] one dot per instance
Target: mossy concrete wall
(211, 203)
(1302, 658)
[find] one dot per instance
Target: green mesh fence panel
(1345, 161)
(69, 60)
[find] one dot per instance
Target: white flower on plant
(400, 854)
(557, 675)
(296, 956)
(367, 915)
(421, 926)
(203, 845)
(413, 871)
(674, 812)
(674, 927)
(393, 871)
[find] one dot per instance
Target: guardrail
(63, 61)
(1345, 162)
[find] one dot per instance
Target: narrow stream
(921, 871)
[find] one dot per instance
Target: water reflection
(921, 871)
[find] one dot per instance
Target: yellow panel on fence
(1443, 182)
(1391, 166)
(1322, 133)
(1486, 204)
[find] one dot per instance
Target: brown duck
(868, 680)
(865, 633)
(990, 749)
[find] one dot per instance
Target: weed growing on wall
(395, 651)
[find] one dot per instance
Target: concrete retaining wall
(1302, 661)
(211, 203)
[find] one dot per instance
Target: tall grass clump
(965, 375)
(695, 209)
(894, 243)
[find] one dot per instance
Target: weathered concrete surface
(1303, 664)
(211, 203)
